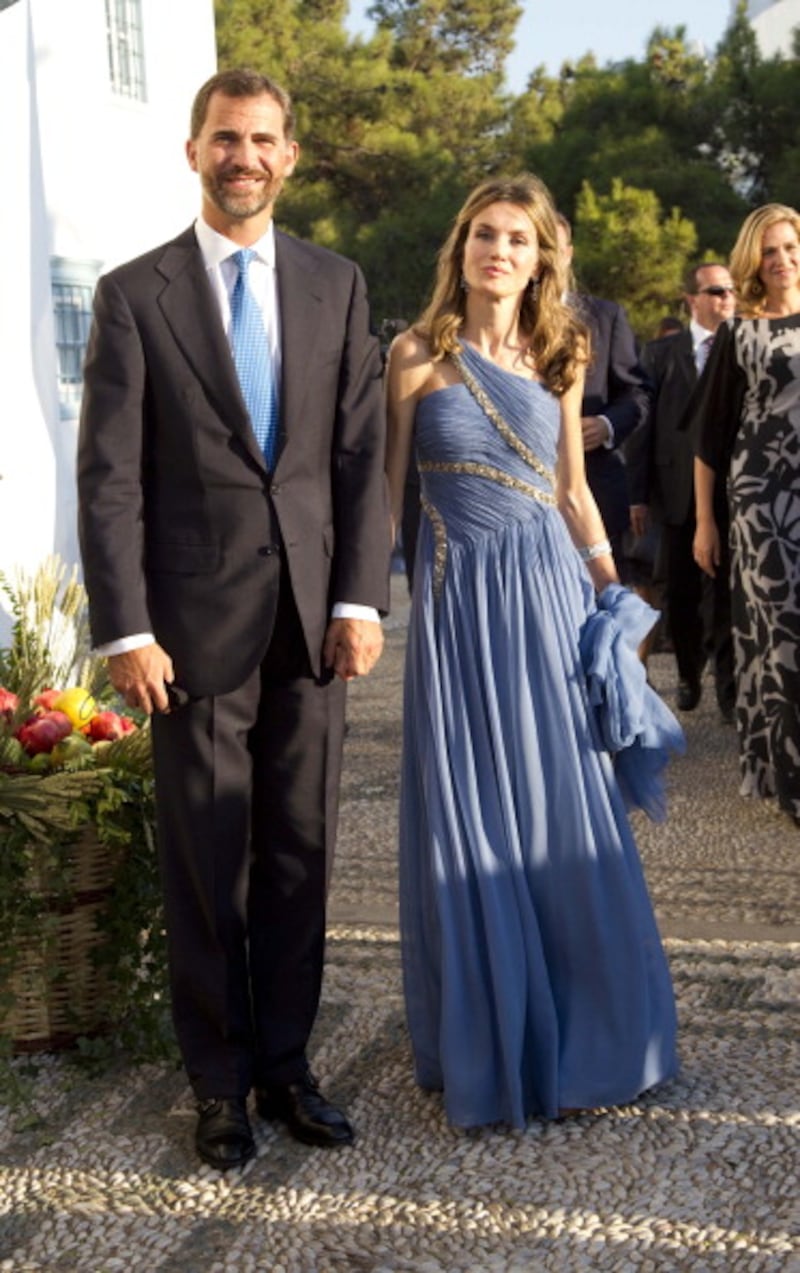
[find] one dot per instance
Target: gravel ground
(701, 1174)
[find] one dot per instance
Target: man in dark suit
(235, 585)
(615, 402)
(693, 601)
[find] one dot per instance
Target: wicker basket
(59, 993)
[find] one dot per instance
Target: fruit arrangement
(61, 727)
(81, 931)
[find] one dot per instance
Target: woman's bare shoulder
(410, 349)
(412, 365)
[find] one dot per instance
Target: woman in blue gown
(534, 975)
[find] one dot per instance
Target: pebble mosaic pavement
(702, 1174)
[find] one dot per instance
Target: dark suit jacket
(181, 525)
(616, 387)
(662, 468)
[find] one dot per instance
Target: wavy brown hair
(557, 339)
(746, 259)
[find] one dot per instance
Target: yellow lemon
(78, 704)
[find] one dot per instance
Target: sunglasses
(715, 291)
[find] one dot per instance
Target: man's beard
(242, 206)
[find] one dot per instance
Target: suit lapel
(686, 356)
(684, 360)
(301, 309)
(190, 309)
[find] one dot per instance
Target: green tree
(461, 37)
(648, 123)
(390, 142)
(395, 128)
(754, 101)
(536, 115)
(627, 250)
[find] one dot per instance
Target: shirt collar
(699, 334)
(217, 248)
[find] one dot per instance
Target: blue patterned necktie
(252, 358)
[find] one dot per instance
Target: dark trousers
(698, 609)
(246, 797)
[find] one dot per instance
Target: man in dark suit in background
(615, 402)
(236, 562)
(662, 469)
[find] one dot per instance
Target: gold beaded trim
(439, 541)
(506, 432)
(493, 474)
(437, 521)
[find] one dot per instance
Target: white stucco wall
(29, 424)
(117, 182)
(107, 179)
(773, 22)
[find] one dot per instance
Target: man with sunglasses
(661, 475)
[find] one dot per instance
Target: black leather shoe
(305, 1111)
(223, 1136)
(688, 695)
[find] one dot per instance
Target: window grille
(126, 48)
(73, 288)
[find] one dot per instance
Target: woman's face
(780, 260)
(501, 252)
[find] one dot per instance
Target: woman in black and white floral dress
(747, 423)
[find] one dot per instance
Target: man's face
(713, 299)
(242, 157)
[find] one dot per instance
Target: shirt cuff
(345, 610)
(609, 442)
(124, 644)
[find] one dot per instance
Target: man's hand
(352, 646)
(141, 677)
(595, 432)
(640, 519)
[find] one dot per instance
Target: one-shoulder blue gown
(534, 975)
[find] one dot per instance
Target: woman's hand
(706, 546)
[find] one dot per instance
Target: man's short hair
(240, 82)
(690, 280)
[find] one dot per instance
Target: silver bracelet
(600, 549)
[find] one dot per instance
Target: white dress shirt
(218, 253)
(700, 350)
(222, 272)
